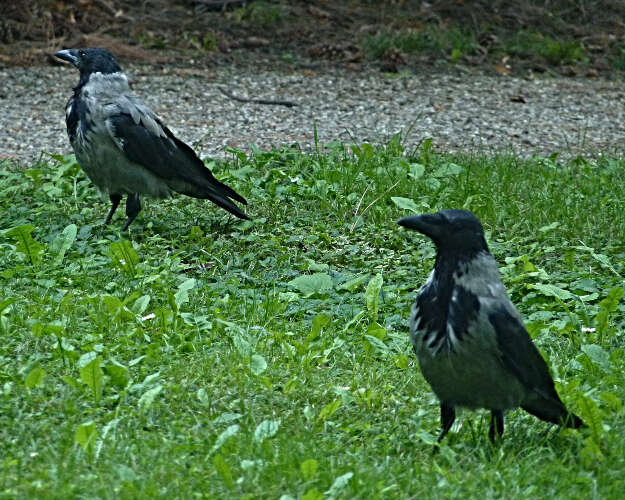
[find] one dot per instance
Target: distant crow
(124, 148)
(472, 346)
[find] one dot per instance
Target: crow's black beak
(67, 55)
(428, 224)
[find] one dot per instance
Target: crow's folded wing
(519, 354)
(145, 140)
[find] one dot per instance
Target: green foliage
(91, 374)
(554, 51)
(260, 13)
(453, 42)
(85, 436)
(124, 257)
(271, 358)
(25, 244)
(311, 284)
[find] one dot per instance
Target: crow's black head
(450, 230)
(92, 60)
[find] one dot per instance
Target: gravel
(458, 111)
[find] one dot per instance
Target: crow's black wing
(521, 357)
(147, 142)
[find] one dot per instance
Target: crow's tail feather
(229, 192)
(226, 204)
(218, 193)
(555, 412)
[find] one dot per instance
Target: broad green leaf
(612, 400)
(223, 469)
(266, 429)
(87, 358)
(405, 204)
(85, 436)
(118, 374)
(605, 261)
(376, 330)
(136, 361)
(116, 308)
(312, 495)
(549, 227)
(71, 381)
(5, 303)
(328, 410)
(319, 322)
(141, 304)
(288, 297)
(124, 256)
(610, 303)
(313, 266)
(148, 397)
(376, 343)
(182, 295)
(432, 183)
(401, 361)
(553, 291)
(41, 329)
(224, 436)
(447, 170)
(590, 455)
(240, 341)
(25, 243)
(308, 468)
(202, 396)
(372, 296)
(91, 375)
(34, 378)
(416, 170)
(353, 283)
(338, 484)
(598, 355)
(258, 364)
(63, 242)
(227, 417)
(591, 415)
(310, 284)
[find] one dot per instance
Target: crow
(470, 341)
(123, 146)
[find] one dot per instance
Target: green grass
(553, 51)
(202, 357)
(453, 42)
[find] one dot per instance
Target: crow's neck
(451, 263)
(108, 82)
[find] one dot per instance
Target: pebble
(460, 113)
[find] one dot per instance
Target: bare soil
(316, 33)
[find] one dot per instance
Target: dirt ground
(324, 32)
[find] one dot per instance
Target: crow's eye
(81, 53)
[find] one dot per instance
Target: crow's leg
(133, 207)
(448, 415)
(115, 199)
(496, 425)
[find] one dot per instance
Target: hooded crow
(472, 346)
(124, 148)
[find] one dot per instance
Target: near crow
(472, 346)
(124, 148)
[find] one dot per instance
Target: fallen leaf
(501, 69)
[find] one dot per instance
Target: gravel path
(542, 115)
